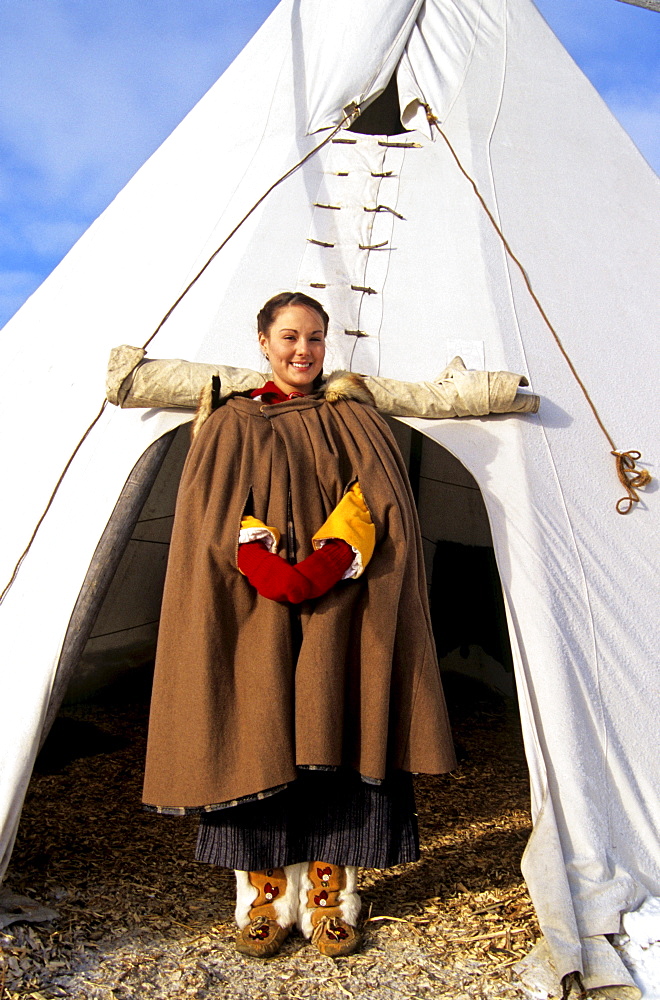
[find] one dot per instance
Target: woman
(296, 683)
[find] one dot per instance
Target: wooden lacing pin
(373, 246)
(385, 208)
(317, 284)
(356, 333)
(319, 243)
(386, 173)
(347, 142)
(401, 145)
(337, 208)
(365, 289)
(341, 173)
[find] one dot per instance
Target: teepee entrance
(465, 594)
(467, 610)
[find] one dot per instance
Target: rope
(350, 113)
(51, 499)
(630, 477)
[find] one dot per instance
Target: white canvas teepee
(579, 207)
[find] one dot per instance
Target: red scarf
(269, 394)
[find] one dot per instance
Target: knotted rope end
(630, 477)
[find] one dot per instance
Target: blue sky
(89, 88)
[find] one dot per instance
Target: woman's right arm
(133, 381)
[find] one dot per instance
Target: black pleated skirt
(330, 816)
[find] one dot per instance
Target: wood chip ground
(140, 918)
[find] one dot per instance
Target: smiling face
(295, 347)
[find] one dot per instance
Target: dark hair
(266, 316)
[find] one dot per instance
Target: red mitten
(272, 576)
(325, 567)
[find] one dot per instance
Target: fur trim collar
(337, 386)
(346, 385)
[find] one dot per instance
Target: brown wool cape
(245, 688)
